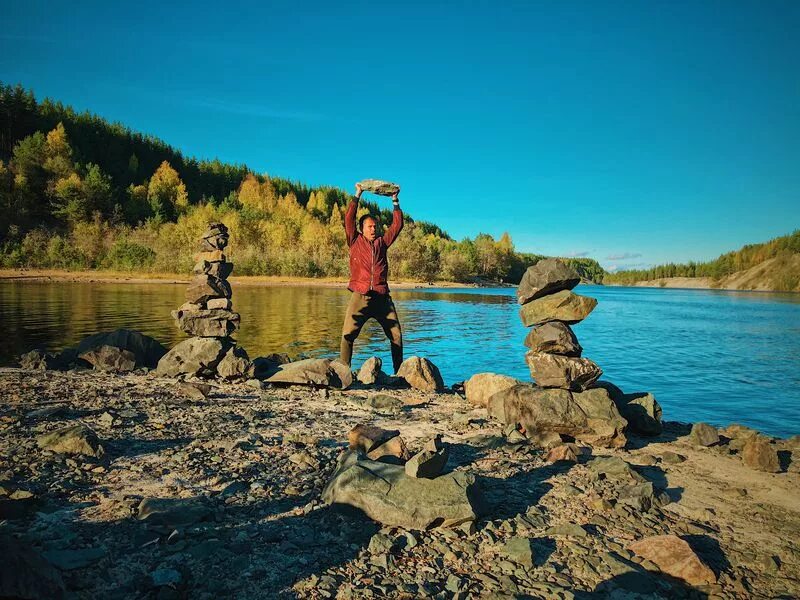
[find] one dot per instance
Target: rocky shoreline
(245, 469)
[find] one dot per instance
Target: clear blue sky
(650, 130)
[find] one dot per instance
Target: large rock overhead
(590, 416)
(548, 276)
(554, 337)
(386, 494)
(380, 187)
(554, 371)
(195, 356)
(562, 306)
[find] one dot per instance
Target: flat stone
(380, 187)
(554, 371)
(110, 358)
(219, 303)
(421, 374)
(210, 256)
(554, 337)
(546, 277)
(207, 323)
(563, 306)
(674, 557)
(482, 386)
(72, 439)
(196, 356)
(520, 550)
(672, 458)
(203, 288)
(759, 454)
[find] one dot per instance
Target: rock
(196, 356)
(204, 287)
(613, 467)
(211, 256)
(568, 530)
(73, 439)
(219, 270)
(312, 371)
(207, 323)
(195, 391)
(421, 374)
(172, 512)
(110, 358)
(554, 371)
(562, 306)
(393, 448)
(759, 454)
(640, 496)
(219, 304)
(235, 364)
(589, 416)
(24, 573)
(482, 386)
(543, 439)
(520, 550)
(703, 434)
(735, 431)
(554, 337)
(365, 438)
(563, 453)
(215, 229)
(39, 360)
(430, 462)
(370, 372)
(672, 458)
(166, 577)
(386, 494)
(146, 350)
(74, 558)
(641, 410)
(674, 557)
(380, 187)
(383, 402)
(546, 277)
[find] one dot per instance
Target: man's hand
(358, 190)
(395, 198)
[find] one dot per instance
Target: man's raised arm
(397, 222)
(350, 217)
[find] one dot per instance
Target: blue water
(707, 355)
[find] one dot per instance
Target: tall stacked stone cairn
(208, 317)
(567, 398)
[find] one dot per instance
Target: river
(707, 355)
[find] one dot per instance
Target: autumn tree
(166, 193)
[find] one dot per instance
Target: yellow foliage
(255, 195)
(167, 190)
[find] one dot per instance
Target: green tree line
(78, 192)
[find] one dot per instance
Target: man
(369, 269)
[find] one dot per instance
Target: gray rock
(640, 409)
(195, 356)
(386, 494)
(421, 374)
(552, 370)
(370, 372)
(146, 350)
(380, 187)
(313, 371)
(110, 358)
(73, 439)
(430, 462)
(554, 337)
(207, 323)
(590, 416)
(216, 269)
(235, 364)
(613, 467)
(205, 287)
(672, 458)
(639, 496)
(482, 386)
(703, 434)
(567, 529)
(562, 306)
(520, 550)
(546, 277)
(173, 512)
(25, 574)
(75, 558)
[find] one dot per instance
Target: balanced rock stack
(550, 307)
(207, 317)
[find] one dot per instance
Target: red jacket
(369, 267)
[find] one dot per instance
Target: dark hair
(364, 218)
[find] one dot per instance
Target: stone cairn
(208, 317)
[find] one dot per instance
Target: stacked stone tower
(550, 307)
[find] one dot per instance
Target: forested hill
(78, 192)
(772, 265)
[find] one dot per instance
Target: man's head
(369, 227)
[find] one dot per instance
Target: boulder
(553, 337)
(203, 288)
(343, 376)
(313, 371)
(554, 371)
(482, 386)
(220, 270)
(72, 439)
(207, 323)
(546, 277)
(759, 454)
(430, 462)
(146, 350)
(674, 557)
(39, 360)
(421, 374)
(589, 416)
(264, 366)
(703, 434)
(195, 356)
(235, 364)
(562, 453)
(110, 358)
(562, 306)
(641, 409)
(387, 495)
(370, 372)
(380, 187)
(365, 438)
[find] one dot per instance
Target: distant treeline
(727, 264)
(78, 192)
